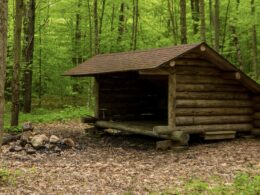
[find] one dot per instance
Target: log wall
(208, 102)
(131, 97)
(256, 115)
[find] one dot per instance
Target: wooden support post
(96, 95)
(172, 100)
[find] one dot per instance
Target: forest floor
(125, 165)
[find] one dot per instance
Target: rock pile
(31, 142)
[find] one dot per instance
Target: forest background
(48, 37)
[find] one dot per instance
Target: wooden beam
(172, 100)
(231, 75)
(96, 95)
(153, 72)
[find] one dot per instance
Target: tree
(216, 25)
(28, 51)
(16, 66)
(96, 27)
(183, 21)
(3, 53)
(202, 22)
(134, 25)
(195, 14)
(173, 22)
(121, 27)
(254, 40)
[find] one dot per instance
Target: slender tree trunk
(90, 29)
(195, 15)
(28, 50)
(134, 25)
(16, 67)
(173, 22)
(216, 25)
(202, 22)
(3, 53)
(183, 22)
(225, 27)
(236, 43)
(77, 44)
(121, 23)
(211, 21)
(102, 16)
(96, 27)
(254, 39)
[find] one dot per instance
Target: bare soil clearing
(121, 164)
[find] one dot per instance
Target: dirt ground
(124, 164)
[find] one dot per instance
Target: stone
(28, 126)
(38, 141)
(30, 150)
(26, 137)
(16, 149)
(57, 149)
(163, 145)
(68, 142)
(54, 139)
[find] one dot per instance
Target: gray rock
(30, 150)
(38, 141)
(68, 142)
(16, 149)
(28, 126)
(26, 137)
(57, 149)
(54, 139)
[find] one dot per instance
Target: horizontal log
(231, 75)
(193, 62)
(256, 115)
(206, 120)
(256, 107)
(195, 70)
(203, 79)
(196, 129)
(255, 132)
(212, 103)
(212, 95)
(256, 99)
(213, 111)
(209, 88)
(256, 123)
(176, 135)
(163, 130)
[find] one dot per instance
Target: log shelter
(172, 92)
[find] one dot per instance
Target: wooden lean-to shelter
(172, 92)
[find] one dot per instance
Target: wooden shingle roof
(126, 61)
(153, 58)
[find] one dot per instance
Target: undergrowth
(8, 177)
(43, 115)
(243, 184)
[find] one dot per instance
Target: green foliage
(8, 177)
(43, 115)
(243, 183)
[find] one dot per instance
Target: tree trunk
(134, 25)
(211, 21)
(202, 22)
(28, 50)
(195, 15)
(90, 29)
(254, 40)
(183, 22)
(16, 66)
(102, 16)
(96, 27)
(3, 53)
(121, 28)
(78, 55)
(236, 40)
(173, 22)
(216, 25)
